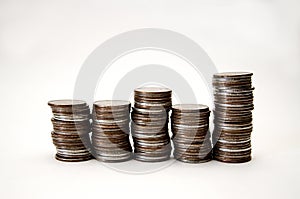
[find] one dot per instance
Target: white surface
(44, 43)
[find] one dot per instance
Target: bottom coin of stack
(191, 136)
(71, 130)
(233, 117)
(110, 137)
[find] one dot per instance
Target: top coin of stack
(111, 130)
(191, 137)
(233, 94)
(150, 123)
(71, 130)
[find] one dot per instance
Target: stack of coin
(150, 124)
(110, 137)
(191, 136)
(233, 94)
(71, 130)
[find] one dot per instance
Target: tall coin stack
(71, 130)
(111, 131)
(191, 136)
(150, 124)
(233, 94)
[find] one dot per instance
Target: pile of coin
(71, 130)
(149, 125)
(110, 137)
(233, 93)
(191, 136)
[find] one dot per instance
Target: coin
(191, 137)
(67, 103)
(237, 75)
(71, 127)
(149, 125)
(110, 131)
(233, 97)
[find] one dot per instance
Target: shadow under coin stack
(233, 94)
(71, 130)
(110, 128)
(150, 124)
(191, 136)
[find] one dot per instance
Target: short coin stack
(191, 136)
(150, 124)
(233, 94)
(111, 131)
(71, 130)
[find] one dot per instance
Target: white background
(44, 43)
